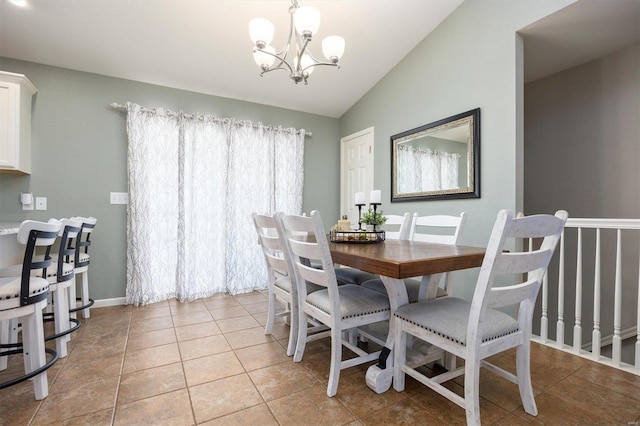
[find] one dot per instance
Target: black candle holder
(359, 216)
(375, 222)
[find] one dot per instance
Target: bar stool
(81, 268)
(25, 297)
(60, 276)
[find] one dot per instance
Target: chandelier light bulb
(261, 32)
(264, 60)
(333, 48)
(307, 20)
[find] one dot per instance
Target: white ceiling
(204, 46)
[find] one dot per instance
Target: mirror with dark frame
(440, 160)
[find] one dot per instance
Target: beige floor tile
(151, 357)
(151, 325)
(91, 345)
(258, 415)
(282, 379)
(239, 323)
(151, 338)
(361, 401)
(260, 356)
(150, 313)
(191, 318)
(187, 307)
(618, 381)
(196, 331)
(310, 407)
(167, 409)
(203, 346)
(83, 369)
(221, 302)
(250, 337)
(77, 400)
(210, 368)
(249, 298)
(404, 412)
(228, 312)
(216, 399)
(153, 381)
(98, 418)
(256, 308)
(17, 403)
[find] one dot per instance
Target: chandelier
(304, 24)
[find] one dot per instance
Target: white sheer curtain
(423, 169)
(193, 183)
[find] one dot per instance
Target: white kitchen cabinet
(16, 92)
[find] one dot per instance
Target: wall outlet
(41, 203)
(119, 198)
(26, 198)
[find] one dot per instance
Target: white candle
(375, 197)
(359, 198)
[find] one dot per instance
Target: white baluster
(617, 311)
(596, 337)
(560, 322)
(577, 328)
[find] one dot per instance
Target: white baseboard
(116, 301)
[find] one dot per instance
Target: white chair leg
(61, 319)
(301, 341)
(523, 372)
(472, 390)
(293, 329)
(336, 358)
(4, 338)
(33, 345)
(268, 328)
(72, 298)
(85, 294)
(399, 356)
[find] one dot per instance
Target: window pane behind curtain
(223, 173)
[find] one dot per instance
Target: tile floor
(209, 362)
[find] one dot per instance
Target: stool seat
(10, 290)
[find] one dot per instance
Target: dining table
(395, 260)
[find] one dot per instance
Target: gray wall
(79, 155)
(473, 59)
(582, 145)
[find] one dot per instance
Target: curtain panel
(194, 181)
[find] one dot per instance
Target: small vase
(369, 228)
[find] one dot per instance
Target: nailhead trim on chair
(451, 338)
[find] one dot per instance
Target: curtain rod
(121, 107)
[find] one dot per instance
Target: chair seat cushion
(52, 270)
(448, 317)
(10, 290)
(413, 288)
(353, 276)
(354, 301)
(284, 283)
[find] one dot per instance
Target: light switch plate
(119, 198)
(41, 203)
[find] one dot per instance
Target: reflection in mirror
(437, 161)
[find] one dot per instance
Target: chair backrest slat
(401, 222)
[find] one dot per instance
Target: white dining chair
(341, 308)
(479, 329)
(438, 229)
(397, 227)
(24, 297)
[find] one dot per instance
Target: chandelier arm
(329, 64)
(279, 66)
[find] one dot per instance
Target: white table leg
(379, 376)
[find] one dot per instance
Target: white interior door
(356, 171)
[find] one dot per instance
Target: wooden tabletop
(404, 259)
